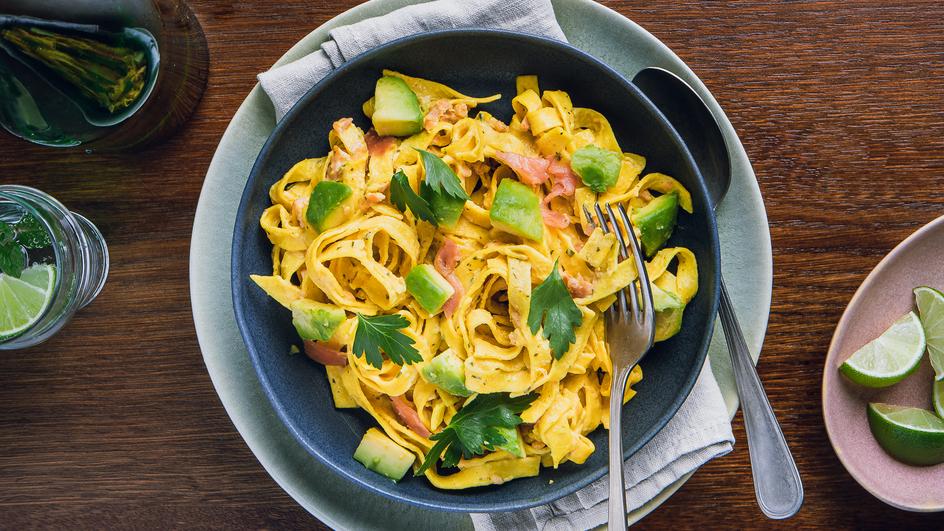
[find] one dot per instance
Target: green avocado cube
(315, 320)
(379, 453)
(446, 208)
(668, 323)
(598, 168)
(664, 300)
(330, 204)
(656, 221)
(447, 372)
(516, 209)
(428, 287)
(396, 110)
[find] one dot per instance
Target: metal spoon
(777, 482)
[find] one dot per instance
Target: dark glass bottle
(112, 75)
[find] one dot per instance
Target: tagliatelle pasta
(360, 265)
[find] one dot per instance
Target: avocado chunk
(446, 209)
(668, 323)
(379, 453)
(598, 168)
(315, 320)
(516, 209)
(656, 221)
(447, 372)
(512, 443)
(330, 204)
(396, 109)
(664, 300)
(428, 287)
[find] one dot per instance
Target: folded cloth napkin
(286, 84)
(699, 432)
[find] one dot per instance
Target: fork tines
(628, 244)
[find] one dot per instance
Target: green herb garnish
(440, 178)
(403, 197)
(553, 306)
(475, 429)
(27, 233)
(31, 234)
(381, 333)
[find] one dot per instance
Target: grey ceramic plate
(742, 224)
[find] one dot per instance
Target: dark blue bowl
(477, 62)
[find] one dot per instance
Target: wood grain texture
(840, 105)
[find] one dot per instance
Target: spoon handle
(777, 483)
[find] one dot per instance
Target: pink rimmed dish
(884, 296)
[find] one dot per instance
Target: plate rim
(230, 382)
(832, 352)
(239, 285)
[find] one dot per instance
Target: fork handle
(617, 502)
(777, 483)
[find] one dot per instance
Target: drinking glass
(76, 250)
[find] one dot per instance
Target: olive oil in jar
(121, 84)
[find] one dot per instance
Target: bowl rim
(237, 278)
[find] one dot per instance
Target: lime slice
(931, 307)
(24, 300)
(938, 399)
(889, 358)
(910, 435)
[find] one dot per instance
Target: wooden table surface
(840, 105)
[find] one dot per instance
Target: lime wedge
(910, 435)
(931, 307)
(24, 300)
(938, 399)
(889, 358)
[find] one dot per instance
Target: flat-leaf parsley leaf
(403, 197)
(440, 178)
(552, 306)
(381, 333)
(476, 428)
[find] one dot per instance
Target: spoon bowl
(694, 122)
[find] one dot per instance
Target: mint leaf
(403, 197)
(475, 428)
(12, 260)
(440, 178)
(7, 234)
(382, 333)
(31, 234)
(552, 306)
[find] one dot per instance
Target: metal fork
(630, 329)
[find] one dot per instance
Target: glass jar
(76, 250)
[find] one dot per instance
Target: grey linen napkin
(286, 84)
(699, 432)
